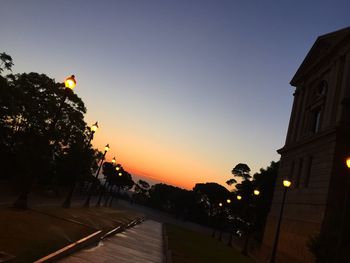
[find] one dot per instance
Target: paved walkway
(140, 244)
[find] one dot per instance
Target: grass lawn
(192, 247)
(100, 218)
(29, 235)
(34, 233)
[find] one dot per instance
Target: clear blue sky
(183, 90)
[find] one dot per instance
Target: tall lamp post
(286, 185)
(256, 192)
(68, 200)
(104, 187)
(69, 84)
(220, 218)
(343, 218)
(87, 202)
(110, 192)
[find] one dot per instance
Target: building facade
(317, 144)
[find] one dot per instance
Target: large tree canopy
(29, 103)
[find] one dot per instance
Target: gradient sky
(182, 90)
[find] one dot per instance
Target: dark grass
(193, 247)
(100, 218)
(33, 234)
(29, 235)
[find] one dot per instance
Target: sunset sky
(182, 90)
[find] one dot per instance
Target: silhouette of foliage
(256, 208)
(231, 181)
(172, 199)
(29, 142)
(241, 170)
(5, 62)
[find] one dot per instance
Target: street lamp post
(103, 188)
(67, 202)
(87, 202)
(110, 192)
(286, 185)
(229, 243)
(220, 218)
(343, 218)
(256, 192)
(69, 84)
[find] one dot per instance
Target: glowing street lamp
(106, 148)
(228, 201)
(256, 192)
(239, 197)
(347, 162)
(70, 82)
(113, 161)
(87, 202)
(286, 184)
(93, 129)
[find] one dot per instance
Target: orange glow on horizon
(142, 157)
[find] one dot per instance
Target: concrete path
(141, 244)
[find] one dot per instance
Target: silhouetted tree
(241, 170)
(141, 189)
(28, 106)
(172, 199)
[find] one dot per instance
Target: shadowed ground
(31, 234)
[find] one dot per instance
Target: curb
(93, 238)
(123, 227)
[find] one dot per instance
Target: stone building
(317, 144)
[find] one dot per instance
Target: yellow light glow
(107, 148)
(120, 174)
(256, 192)
(287, 183)
(70, 82)
(228, 201)
(117, 168)
(348, 162)
(94, 127)
(220, 204)
(113, 160)
(239, 197)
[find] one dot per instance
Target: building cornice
(292, 146)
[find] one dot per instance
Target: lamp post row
(286, 185)
(70, 84)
